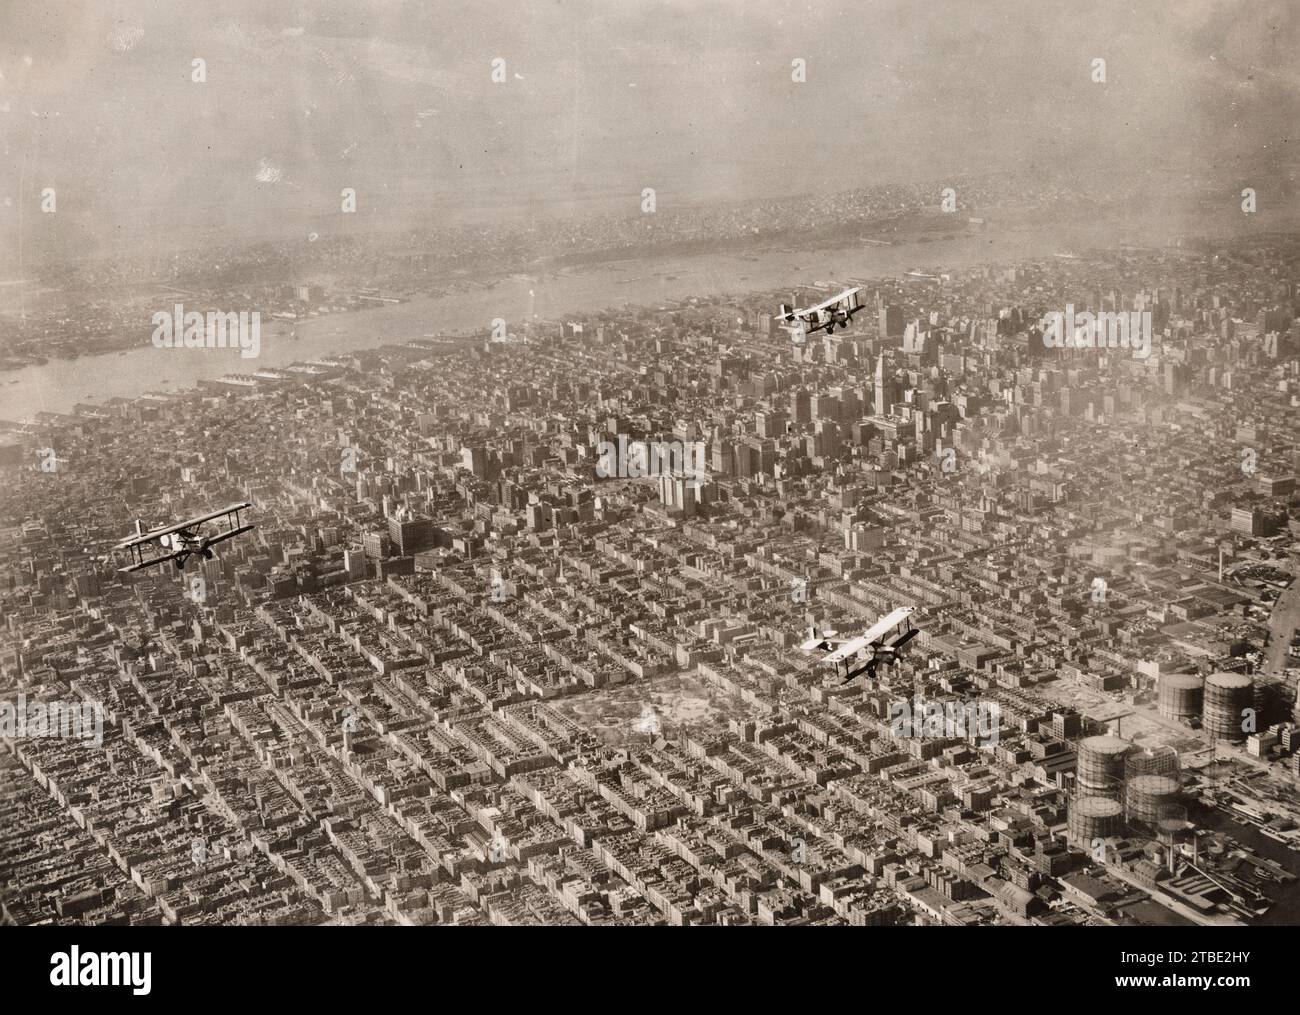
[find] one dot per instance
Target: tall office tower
(912, 337)
(882, 402)
(376, 545)
(685, 496)
(666, 491)
(410, 535)
(475, 459)
(1175, 380)
(678, 493)
(890, 321)
(724, 458)
(770, 424)
(539, 516)
(929, 348)
(744, 460)
(829, 433)
(87, 585)
(212, 572)
(800, 406)
(355, 562)
(826, 406)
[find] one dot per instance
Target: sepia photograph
(651, 463)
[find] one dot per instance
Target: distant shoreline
(558, 291)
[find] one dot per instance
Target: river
(58, 385)
(1285, 911)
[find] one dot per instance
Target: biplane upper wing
(877, 631)
(834, 301)
(218, 537)
(874, 635)
(848, 650)
(152, 534)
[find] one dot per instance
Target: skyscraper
(890, 321)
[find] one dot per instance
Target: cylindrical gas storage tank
(1151, 797)
(1094, 817)
(1180, 695)
(1101, 766)
(1227, 696)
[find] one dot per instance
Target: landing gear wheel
(180, 564)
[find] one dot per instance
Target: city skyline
(664, 464)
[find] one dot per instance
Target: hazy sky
(602, 98)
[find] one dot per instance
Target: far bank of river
(58, 385)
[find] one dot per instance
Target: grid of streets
(456, 676)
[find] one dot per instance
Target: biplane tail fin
(818, 640)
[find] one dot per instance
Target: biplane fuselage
(835, 312)
(183, 539)
(882, 642)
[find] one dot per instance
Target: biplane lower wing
(200, 549)
(182, 540)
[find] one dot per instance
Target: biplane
(838, 310)
(882, 642)
(182, 539)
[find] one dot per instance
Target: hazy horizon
(695, 100)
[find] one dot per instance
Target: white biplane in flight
(882, 642)
(836, 311)
(182, 539)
